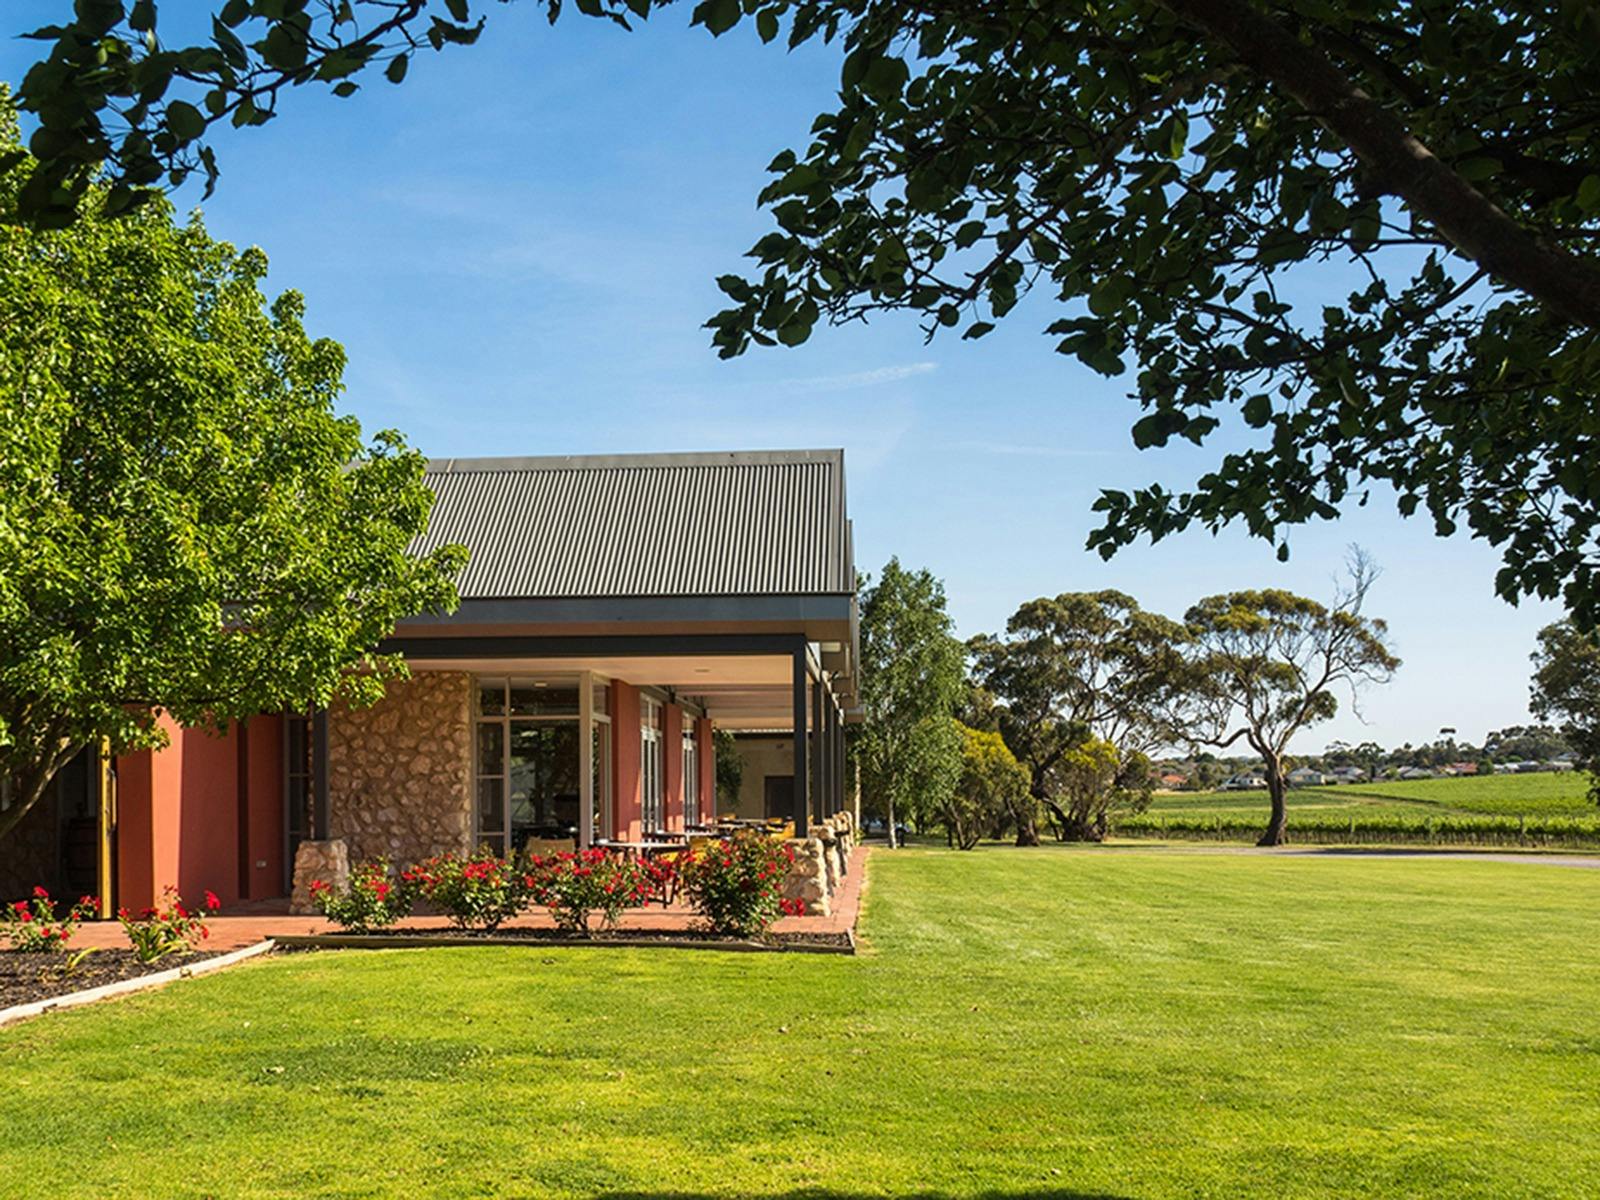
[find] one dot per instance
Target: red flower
(20, 906)
(41, 893)
(212, 902)
(25, 914)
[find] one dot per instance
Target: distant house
(1463, 768)
(1348, 774)
(1415, 773)
(1172, 780)
(1243, 783)
(1306, 777)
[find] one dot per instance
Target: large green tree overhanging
(185, 524)
(1185, 179)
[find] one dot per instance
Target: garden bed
(689, 939)
(29, 977)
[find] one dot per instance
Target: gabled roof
(753, 523)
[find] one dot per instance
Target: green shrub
(737, 884)
(574, 885)
(372, 900)
(478, 892)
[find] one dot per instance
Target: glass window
(691, 773)
(491, 697)
(543, 699)
(651, 816)
(602, 779)
(527, 762)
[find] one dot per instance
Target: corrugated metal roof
(748, 523)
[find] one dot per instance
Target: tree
(992, 789)
(1096, 779)
(1176, 174)
(1566, 688)
(1078, 665)
(730, 768)
(1266, 665)
(911, 679)
(185, 524)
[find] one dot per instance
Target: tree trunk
(1562, 281)
(25, 794)
(888, 828)
(1277, 833)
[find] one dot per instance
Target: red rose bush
(737, 884)
(478, 892)
(169, 928)
(371, 901)
(575, 885)
(32, 925)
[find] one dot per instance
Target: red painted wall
(179, 811)
(208, 815)
(707, 752)
(264, 770)
(672, 766)
(627, 801)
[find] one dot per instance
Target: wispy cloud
(859, 379)
(1025, 451)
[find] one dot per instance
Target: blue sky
(518, 247)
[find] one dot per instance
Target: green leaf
(185, 121)
(1589, 194)
(395, 72)
(1257, 411)
(767, 24)
(718, 16)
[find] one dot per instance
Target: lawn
(1061, 1022)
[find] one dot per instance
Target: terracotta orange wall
(672, 766)
(707, 751)
(627, 814)
(178, 815)
(264, 772)
(208, 814)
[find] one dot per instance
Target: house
(615, 611)
(1306, 777)
(1348, 775)
(1243, 783)
(1414, 773)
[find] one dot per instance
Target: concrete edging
(122, 987)
(379, 941)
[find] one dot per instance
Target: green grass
(1056, 1023)
(1544, 794)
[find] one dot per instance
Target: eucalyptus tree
(1077, 666)
(1371, 229)
(1267, 664)
(1566, 688)
(186, 525)
(907, 754)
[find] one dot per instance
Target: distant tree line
(1052, 724)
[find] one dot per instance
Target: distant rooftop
(748, 523)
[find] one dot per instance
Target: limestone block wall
(400, 772)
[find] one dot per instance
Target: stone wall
(820, 863)
(400, 772)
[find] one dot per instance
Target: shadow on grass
(1040, 1193)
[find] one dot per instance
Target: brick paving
(250, 922)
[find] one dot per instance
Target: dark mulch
(784, 941)
(25, 977)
